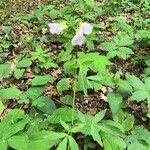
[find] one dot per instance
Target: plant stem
(74, 96)
(74, 89)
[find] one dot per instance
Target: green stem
(74, 89)
(74, 96)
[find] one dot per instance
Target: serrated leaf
(109, 129)
(128, 123)
(137, 146)
(50, 135)
(115, 101)
(141, 133)
(9, 93)
(15, 128)
(95, 134)
(18, 142)
(19, 73)
(66, 126)
(5, 70)
(123, 40)
(99, 116)
(48, 106)
(70, 66)
(41, 144)
(112, 54)
(41, 80)
(34, 92)
(64, 56)
(67, 99)
(72, 144)
(140, 95)
(100, 64)
(90, 2)
(3, 144)
(135, 82)
(113, 142)
(24, 63)
(90, 44)
(64, 114)
(82, 80)
(125, 27)
(63, 85)
(109, 46)
(77, 128)
(63, 144)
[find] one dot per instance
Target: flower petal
(55, 28)
(78, 39)
(86, 28)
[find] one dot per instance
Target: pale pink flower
(78, 39)
(56, 28)
(86, 28)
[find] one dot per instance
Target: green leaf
(141, 134)
(63, 85)
(13, 123)
(41, 144)
(34, 92)
(72, 144)
(70, 66)
(5, 70)
(99, 116)
(19, 73)
(31, 95)
(3, 144)
(48, 105)
(124, 87)
(63, 144)
(24, 63)
(54, 13)
(100, 64)
(109, 46)
(41, 80)
(50, 135)
(90, 2)
(95, 134)
(90, 44)
(112, 54)
(115, 101)
(135, 82)
(127, 50)
(147, 83)
(125, 27)
(128, 123)
(65, 125)
(142, 34)
(82, 80)
(140, 95)
(14, 128)
(137, 146)
(123, 40)
(9, 93)
(19, 142)
(67, 99)
(64, 114)
(110, 129)
(113, 142)
(64, 56)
